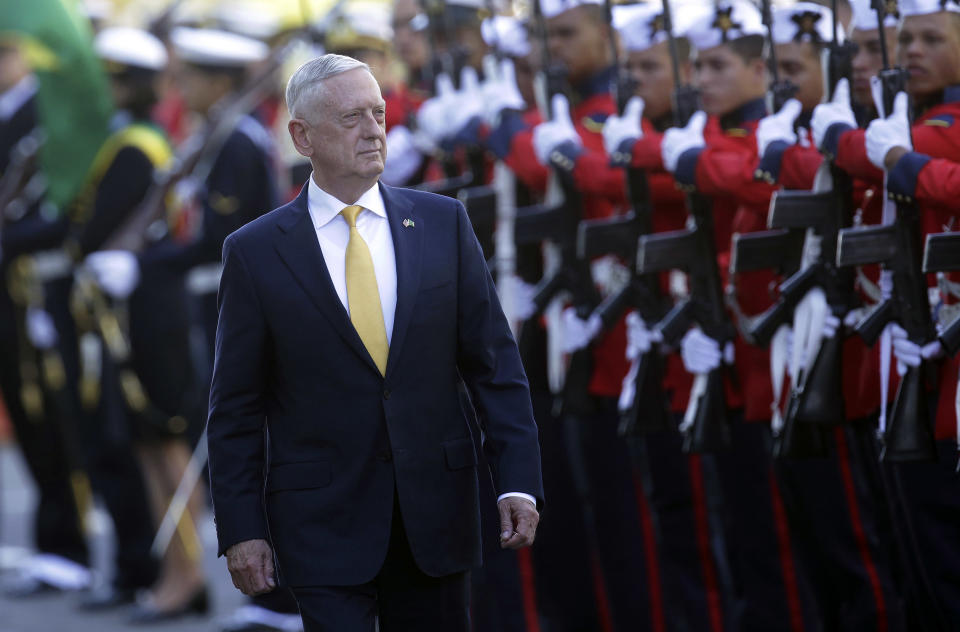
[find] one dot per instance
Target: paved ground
(57, 613)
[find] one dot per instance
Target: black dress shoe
(106, 598)
(249, 626)
(146, 613)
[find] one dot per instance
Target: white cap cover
(641, 25)
(553, 8)
(507, 34)
(729, 21)
(802, 22)
(210, 47)
(926, 7)
(865, 17)
(131, 47)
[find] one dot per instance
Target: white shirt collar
(324, 207)
(16, 96)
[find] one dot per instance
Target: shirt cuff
(518, 495)
(501, 136)
(902, 179)
(623, 156)
(831, 139)
(686, 172)
(769, 168)
(564, 156)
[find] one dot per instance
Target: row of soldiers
(701, 359)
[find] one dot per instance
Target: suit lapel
(297, 245)
(407, 245)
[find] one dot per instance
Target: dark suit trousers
(401, 596)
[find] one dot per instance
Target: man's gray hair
(306, 80)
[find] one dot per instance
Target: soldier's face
(799, 63)
(726, 80)
(12, 67)
(928, 46)
(410, 44)
(344, 134)
(868, 60)
(653, 74)
(579, 42)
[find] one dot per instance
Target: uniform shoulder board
(941, 120)
(594, 122)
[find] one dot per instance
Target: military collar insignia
(806, 22)
(724, 22)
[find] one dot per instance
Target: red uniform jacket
(923, 175)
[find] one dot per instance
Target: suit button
(386, 393)
(385, 457)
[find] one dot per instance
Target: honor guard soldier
(149, 398)
(57, 534)
(693, 571)
(240, 186)
(716, 156)
(928, 47)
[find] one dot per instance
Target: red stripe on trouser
(788, 568)
(600, 594)
(528, 590)
(856, 524)
(650, 553)
(702, 526)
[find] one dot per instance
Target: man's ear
(298, 133)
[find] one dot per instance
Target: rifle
(706, 426)
(780, 90)
(556, 221)
(897, 245)
(650, 410)
(816, 217)
(19, 172)
(197, 155)
(942, 254)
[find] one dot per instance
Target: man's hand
(251, 567)
(518, 522)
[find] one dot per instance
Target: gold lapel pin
(408, 223)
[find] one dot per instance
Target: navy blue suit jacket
(308, 442)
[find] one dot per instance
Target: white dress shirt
(333, 233)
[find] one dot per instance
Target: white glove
(893, 131)
(677, 140)
(403, 156)
(499, 90)
(778, 127)
(521, 297)
(639, 338)
(466, 103)
(117, 271)
(831, 324)
(432, 115)
(41, 331)
(910, 353)
(617, 129)
(577, 333)
(838, 110)
(553, 133)
(701, 353)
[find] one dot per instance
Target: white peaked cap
(507, 34)
(728, 21)
(210, 47)
(248, 18)
(131, 47)
(553, 8)
(865, 17)
(803, 22)
(926, 7)
(641, 25)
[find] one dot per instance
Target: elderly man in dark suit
(341, 461)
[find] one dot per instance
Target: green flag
(73, 99)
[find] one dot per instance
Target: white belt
(204, 279)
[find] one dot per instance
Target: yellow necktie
(363, 296)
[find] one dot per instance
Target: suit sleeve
(489, 362)
(236, 424)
